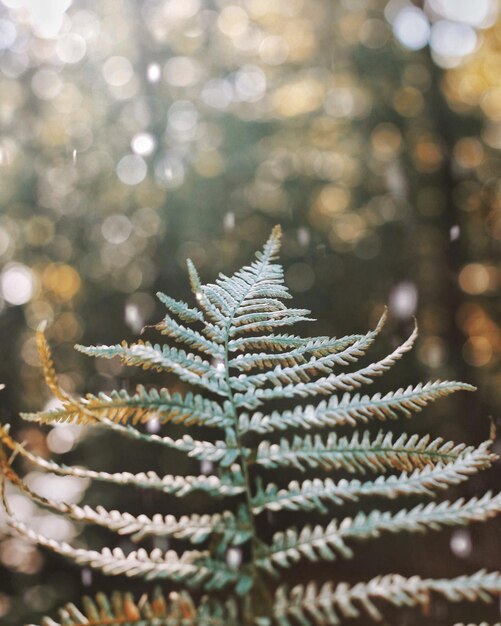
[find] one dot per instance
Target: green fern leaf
(324, 385)
(301, 372)
(195, 528)
(181, 309)
(326, 543)
(311, 494)
(329, 604)
(193, 568)
(169, 484)
(178, 609)
(190, 368)
(359, 453)
(145, 405)
(191, 338)
(352, 409)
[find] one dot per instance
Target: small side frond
(195, 283)
(301, 371)
(311, 494)
(181, 309)
(317, 606)
(359, 453)
(421, 518)
(314, 346)
(143, 406)
(195, 528)
(50, 376)
(326, 543)
(223, 452)
(329, 384)
(193, 568)
(170, 484)
(189, 367)
(263, 322)
(190, 337)
(120, 609)
(350, 409)
(218, 452)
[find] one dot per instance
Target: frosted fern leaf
(269, 403)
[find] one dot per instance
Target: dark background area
(134, 135)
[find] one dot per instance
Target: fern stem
(248, 617)
(238, 435)
(261, 592)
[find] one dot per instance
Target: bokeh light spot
(18, 283)
(116, 228)
(451, 41)
(143, 144)
(153, 72)
(476, 278)
(63, 280)
(132, 169)
(412, 28)
(477, 351)
(7, 34)
(117, 71)
(403, 300)
(461, 543)
(71, 48)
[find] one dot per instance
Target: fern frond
(221, 452)
(327, 384)
(218, 452)
(145, 405)
(263, 360)
(189, 367)
(360, 452)
(261, 279)
(432, 516)
(326, 543)
(266, 322)
(195, 528)
(239, 354)
(350, 409)
(318, 346)
(302, 371)
(171, 484)
(190, 337)
(193, 568)
(181, 309)
(311, 494)
(248, 301)
(120, 609)
(45, 355)
(216, 303)
(318, 606)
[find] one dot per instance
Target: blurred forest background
(134, 135)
